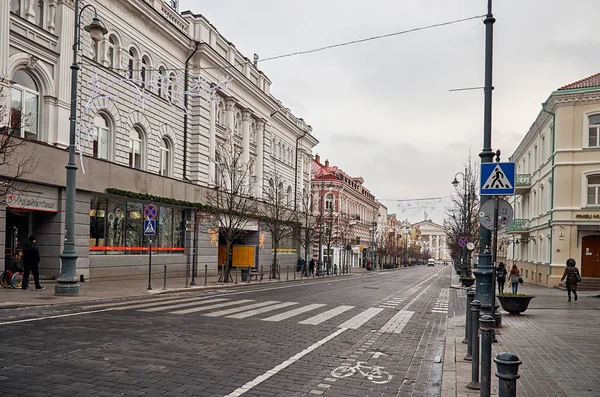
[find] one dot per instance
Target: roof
(591, 81)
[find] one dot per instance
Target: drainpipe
(296, 172)
(185, 114)
(553, 183)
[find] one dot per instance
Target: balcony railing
(523, 183)
(519, 225)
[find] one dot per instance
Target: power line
(416, 199)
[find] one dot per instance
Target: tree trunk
(274, 266)
(227, 264)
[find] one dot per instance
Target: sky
(383, 109)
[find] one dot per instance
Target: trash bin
(245, 273)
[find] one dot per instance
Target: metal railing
(518, 225)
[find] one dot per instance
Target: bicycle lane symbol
(374, 373)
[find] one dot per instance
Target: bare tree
(462, 215)
(277, 216)
(234, 207)
(16, 161)
(307, 223)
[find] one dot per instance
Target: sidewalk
(557, 342)
(120, 288)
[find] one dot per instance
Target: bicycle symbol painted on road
(375, 374)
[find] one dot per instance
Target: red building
(346, 216)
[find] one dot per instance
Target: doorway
(590, 256)
(18, 224)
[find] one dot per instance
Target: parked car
(431, 262)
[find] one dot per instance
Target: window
(161, 76)
(131, 63)
(15, 6)
(143, 71)
(594, 130)
(100, 145)
(39, 13)
(95, 50)
(170, 87)
(329, 201)
(24, 105)
(289, 196)
(111, 51)
(535, 157)
(164, 157)
(593, 190)
(135, 149)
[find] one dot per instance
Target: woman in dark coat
(572, 275)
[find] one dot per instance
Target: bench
(256, 275)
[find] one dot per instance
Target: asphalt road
(374, 334)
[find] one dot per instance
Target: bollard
(287, 272)
(149, 265)
(261, 273)
(205, 274)
(476, 308)
(486, 323)
(507, 365)
(248, 279)
(467, 340)
(165, 278)
(270, 271)
(237, 268)
(187, 271)
(295, 273)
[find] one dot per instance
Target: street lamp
(455, 183)
(67, 282)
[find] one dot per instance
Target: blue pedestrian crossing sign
(497, 179)
(149, 227)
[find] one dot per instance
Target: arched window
(161, 77)
(593, 190)
(329, 201)
(594, 130)
(136, 145)
(25, 98)
(170, 87)
(165, 157)
(253, 132)
(237, 124)
(220, 116)
(289, 196)
(273, 148)
(279, 194)
(143, 70)
(131, 63)
(111, 51)
(101, 138)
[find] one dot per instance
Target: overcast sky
(382, 109)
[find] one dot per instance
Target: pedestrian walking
(501, 277)
(31, 262)
(515, 278)
(311, 267)
(573, 278)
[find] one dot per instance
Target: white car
(431, 262)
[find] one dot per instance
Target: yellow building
(557, 201)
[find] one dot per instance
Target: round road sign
(505, 214)
(470, 246)
(463, 242)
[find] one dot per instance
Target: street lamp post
(455, 183)
(67, 283)
(320, 258)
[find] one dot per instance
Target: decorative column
(212, 132)
(260, 154)
(246, 118)
(300, 164)
(4, 33)
(230, 113)
(52, 16)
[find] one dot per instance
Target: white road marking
(116, 304)
(275, 370)
(171, 307)
(358, 320)
(254, 312)
(294, 312)
(397, 323)
(150, 304)
(210, 307)
(28, 320)
(227, 312)
(319, 318)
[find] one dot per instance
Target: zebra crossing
(441, 304)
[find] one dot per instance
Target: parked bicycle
(10, 279)
(375, 374)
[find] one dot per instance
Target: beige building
(434, 239)
(557, 201)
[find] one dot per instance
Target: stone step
(587, 284)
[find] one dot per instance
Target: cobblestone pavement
(376, 334)
(557, 341)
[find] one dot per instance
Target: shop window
(101, 138)
(24, 111)
(134, 229)
(115, 227)
(98, 208)
(593, 190)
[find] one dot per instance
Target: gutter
(553, 182)
(296, 172)
(185, 109)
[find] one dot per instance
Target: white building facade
(157, 96)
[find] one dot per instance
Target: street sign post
(497, 179)
(505, 214)
(149, 227)
(463, 241)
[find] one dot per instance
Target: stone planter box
(515, 304)
(467, 282)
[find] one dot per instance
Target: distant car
(431, 262)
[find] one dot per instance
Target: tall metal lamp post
(68, 282)
(455, 183)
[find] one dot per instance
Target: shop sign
(35, 197)
(587, 216)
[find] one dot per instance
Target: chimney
(326, 163)
(318, 159)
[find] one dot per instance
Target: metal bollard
(486, 323)
(287, 272)
(187, 271)
(237, 270)
(507, 365)
(295, 273)
(248, 279)
(165, 278)
(261, 273)
(270, 271)
(476, 308)
(205, 274)
(467, 340)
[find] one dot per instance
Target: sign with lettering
(587, 216)
(34, 197)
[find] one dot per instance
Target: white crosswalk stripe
(238, 309)
(397, 323)
(358, 320)
(150, 304)
(179, 305)
(293, 312)
(250, 313)
(319, 318)
(211, 307)
(441, 304)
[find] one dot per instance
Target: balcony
(523, 183)
(519, 226)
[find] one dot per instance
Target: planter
(515, 304)
(467, 281)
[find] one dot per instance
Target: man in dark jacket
(31, 261)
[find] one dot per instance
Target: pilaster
(246, 118)
(260, 154)
(4, 34)
(212, 131)
(230, 103)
